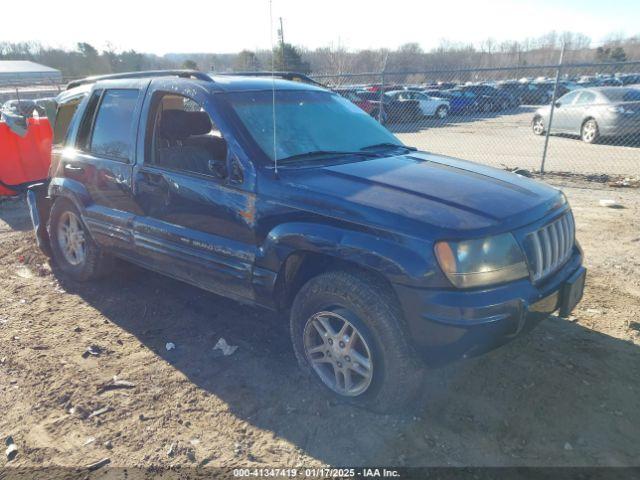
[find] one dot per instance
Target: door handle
(153, 179)
(73, 168)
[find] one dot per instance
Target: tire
(589, 132)
(383, 119)
(537, 125)
(395, 373)
(442, 111)
(91, 263)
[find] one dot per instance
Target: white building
(23, 72)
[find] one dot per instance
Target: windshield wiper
(389, 145)
(322, 153)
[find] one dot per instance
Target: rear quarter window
(64, 115)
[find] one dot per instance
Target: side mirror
(557, 104)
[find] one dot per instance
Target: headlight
(482, 262)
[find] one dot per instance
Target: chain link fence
(30, 90)
(580, 118)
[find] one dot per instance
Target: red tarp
(24, 159)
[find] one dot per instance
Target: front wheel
(73, 250)
(589, 132)
(537, 126)
(349, 336)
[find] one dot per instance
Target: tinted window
(112, 131)
(82, 140)
(63, 119)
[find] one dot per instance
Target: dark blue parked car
(384, 257)
(459, 101)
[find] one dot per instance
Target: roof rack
(293, 76)
(144, 74)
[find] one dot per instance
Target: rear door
(102, 160)
(581, 107)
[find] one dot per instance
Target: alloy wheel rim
(338, 353)
(71, 238)
(589, 131)
(538, 127)
(442, 112)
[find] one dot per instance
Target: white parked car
(430, 106)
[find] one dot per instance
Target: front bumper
(449, 324)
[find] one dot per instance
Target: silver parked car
(593, 113)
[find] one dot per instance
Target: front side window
(568, 98)
(112, 131)
(184, 137)
(307, 121)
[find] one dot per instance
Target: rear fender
(73, 190)
(39, 207)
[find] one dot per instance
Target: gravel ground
(564, 395)
(506, 139)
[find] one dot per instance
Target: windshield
(307, 121)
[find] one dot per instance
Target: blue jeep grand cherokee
(386, 258)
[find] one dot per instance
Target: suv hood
(423, 190)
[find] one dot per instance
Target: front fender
(401, 260)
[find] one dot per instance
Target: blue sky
(231, 25)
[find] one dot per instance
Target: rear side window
(65, 113)
(112, 131)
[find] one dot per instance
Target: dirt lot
(565, 395)
(506, 138)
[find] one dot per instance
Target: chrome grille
(551, 246)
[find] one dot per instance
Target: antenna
(273, 90)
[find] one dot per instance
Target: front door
(563, 113)
(198, 207)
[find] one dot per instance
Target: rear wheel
(74, 251)
(537, 126)
(348, 335)
(442, 111)
(589, 132)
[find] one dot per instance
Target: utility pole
(281, 38)
(553, 106)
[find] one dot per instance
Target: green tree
(289, 58)
(190, 65)
(246, 60)
(609, 54)
(618, 55)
